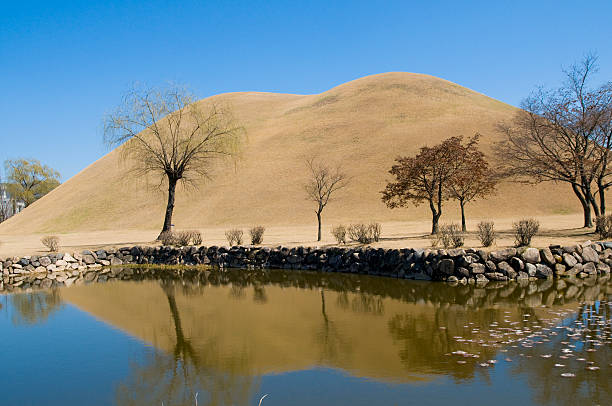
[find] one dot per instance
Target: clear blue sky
(64, 64)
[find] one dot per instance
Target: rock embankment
(465, 266)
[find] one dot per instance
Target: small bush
(51, 242)
(524, 231)
(183, 238)
(167, 238)
(196, 237)
(604, 226)
(486, 233)
(234, 236)
(451, 236)
(359, 233)
(375, 230)
(257, 233)
(339, 233)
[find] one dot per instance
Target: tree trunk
(170, 206)
(463, 227)
(586, 206)
(434, 223)
(602, 198)
(435, 216)
(319, 229)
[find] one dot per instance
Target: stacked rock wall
(465, 266)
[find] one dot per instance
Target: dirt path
(561, 230)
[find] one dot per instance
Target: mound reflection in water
(219, 334)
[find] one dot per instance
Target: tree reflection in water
(36, 307)
(330, 338)
(378, 328)
(176, 378)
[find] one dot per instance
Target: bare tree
(564, 136)
(603, 138)
(166, 134)
(324, 181)
(425, 177)
(473, 177)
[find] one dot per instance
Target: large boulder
(117, 261)
(589, 255)
(502, 255)
(531, 270)
(506, 269)
(496, 276)
(543, 271)
(477, 268)
(463, 272)
(447, 266)
(517, 264)
(589, 268)
(68, 258)
(44, 261)
(569, 260)
(531, 255)
(547, 256)
(89, 259)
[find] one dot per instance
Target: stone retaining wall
(464, 266)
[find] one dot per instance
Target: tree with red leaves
(473, 178)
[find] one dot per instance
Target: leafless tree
(164, 133)
(324, 181)
(564, 136)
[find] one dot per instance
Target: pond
(305, 338)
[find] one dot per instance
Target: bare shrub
(183, 238)
(451, 236)
(234, 236)
(375, 230)
(167, 238)
(604, 226)
(51, 242)
(524, 231)
(257, 234)
(196, 237)
(362, 233)
(339, 233)
(486, 233)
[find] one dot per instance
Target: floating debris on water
(568, 375)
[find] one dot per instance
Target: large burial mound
(364, 124)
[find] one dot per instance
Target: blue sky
(63, 65)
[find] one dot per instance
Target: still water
(306, 339)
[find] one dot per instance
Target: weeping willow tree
(28, 180)
(164, 133)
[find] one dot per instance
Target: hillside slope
(364, 124)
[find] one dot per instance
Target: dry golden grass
(364, 124)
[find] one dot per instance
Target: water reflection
(34, 307)
(218, 334)
(580, 349)
(176, 378)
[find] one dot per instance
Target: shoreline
(589, 261)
